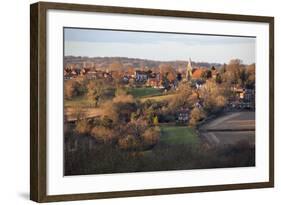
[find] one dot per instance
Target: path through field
(230, 129)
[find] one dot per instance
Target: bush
(151, 136)
(103, 134)
(82, 127)
(196, 115)
(73, 88)
(129, 143)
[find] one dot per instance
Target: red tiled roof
(197, 73)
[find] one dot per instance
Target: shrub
(73, 89)
(103, 134)
(151, 136)
(196, 115)
(129, 143)
(82, 127)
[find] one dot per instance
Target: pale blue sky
(158, 46)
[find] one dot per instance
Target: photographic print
(142, 101)
(135, 102)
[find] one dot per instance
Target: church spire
(189, 70)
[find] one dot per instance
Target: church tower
(188, 70)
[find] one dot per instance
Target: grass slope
(178, 135)
(142, 92)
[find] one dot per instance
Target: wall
(14, 109)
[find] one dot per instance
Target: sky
(158, 46)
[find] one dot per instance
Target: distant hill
(123, 62)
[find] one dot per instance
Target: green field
(178, 135)
(149, 93)
(143, 92)
(159, 97)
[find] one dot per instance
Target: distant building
(189, 69)
(141, 76)
(125, 79)
(242, 98)
(154, 80)
(84, 71)
(197, 73)
(183, 116)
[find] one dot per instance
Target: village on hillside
(136, 113)
(168, 78)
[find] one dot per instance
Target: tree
(82, 126)
(96, 89)
(116, 66)
(184, 97)
(243, 76)
(129, 142)
(171, 76)
(151, 136)
(119, 110)
(120, 91)
(196, 115)
(233, 72)
(218, 78)
(165, 82)
(206, 74)
(73, 88)
(213, 96)
(103, 134)
(251, 73)
(155, 120)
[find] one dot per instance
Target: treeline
(109, 159)
(105, 62)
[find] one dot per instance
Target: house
(84, 71)
(107, 76)
(249, 95)
(242, 98)
(125, 79)
(154, 80)
(197, 73)
(92, 74)
(141, 76)
(183, 115)
(67, 73)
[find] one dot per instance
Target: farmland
(144, 92)
(178, 135)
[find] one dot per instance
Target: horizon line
(157, 60)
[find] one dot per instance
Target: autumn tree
(233, 72)
(119, 109)
(96, 89)
(165, 82)
(251, 73)
(103, 134)
(82, 126)
(73, 88)
(132, 135)
(168, 71)
(213, 96)
(184, 97)
(196, 115)
(206, 74)
(116, 66)
(151, 136)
